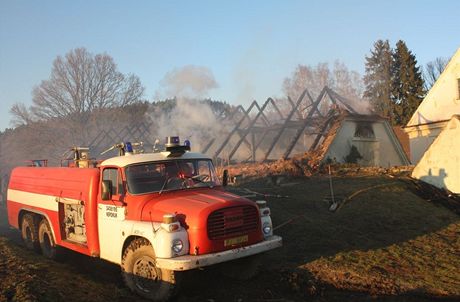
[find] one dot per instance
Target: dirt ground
(384, 244)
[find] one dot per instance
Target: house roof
(334, 125)
(364, 117)
(435, 108)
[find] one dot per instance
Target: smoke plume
(191, 117)
(190, 81)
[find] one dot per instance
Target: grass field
(385, 243)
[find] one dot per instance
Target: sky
(250, 46)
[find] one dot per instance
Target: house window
(364, 130)
(458, 89)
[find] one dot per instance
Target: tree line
(395, 84)
(86, 94)
(81, 84)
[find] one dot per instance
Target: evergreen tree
(407, 84)
(378, 79)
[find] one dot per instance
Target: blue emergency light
(128, 147)
(187, 144)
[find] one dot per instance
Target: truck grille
(233, 221)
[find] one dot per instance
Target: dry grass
(385, 242)
(428, 264)
(25, 276)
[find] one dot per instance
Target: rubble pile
(308, 164)
(297, 166)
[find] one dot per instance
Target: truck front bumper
(187, 262)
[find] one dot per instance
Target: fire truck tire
(242, 269)
(29, 232)
(141, 275)
(45, 237)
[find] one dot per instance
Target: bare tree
(21, 115)
(433, 70)
(305, 76)
(344, 81)
(79, 83)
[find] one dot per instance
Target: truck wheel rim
(146, 274)
(28, 234)
(46, 242)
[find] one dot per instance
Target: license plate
(236, 240)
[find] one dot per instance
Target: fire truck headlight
(177, 246)
(267, 229)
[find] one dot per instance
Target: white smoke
(191, 117)
(190, 81)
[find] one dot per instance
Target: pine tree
(378, 79)
(407, 84)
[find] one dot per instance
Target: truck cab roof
(130, 159)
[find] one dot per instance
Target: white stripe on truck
(43, 201)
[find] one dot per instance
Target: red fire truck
(154, 214)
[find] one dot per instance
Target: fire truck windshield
(170, 175)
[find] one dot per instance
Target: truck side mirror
(106, 193)
(225, 178)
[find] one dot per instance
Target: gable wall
(380, 151)
(440, 165)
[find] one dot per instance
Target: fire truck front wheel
(45, 237)
(141, 274)
(29, 232)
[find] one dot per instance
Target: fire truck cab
(154, 214)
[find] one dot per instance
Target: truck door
(111, 214)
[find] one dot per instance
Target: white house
(440, 165)
(436, 109)
(371, 135)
